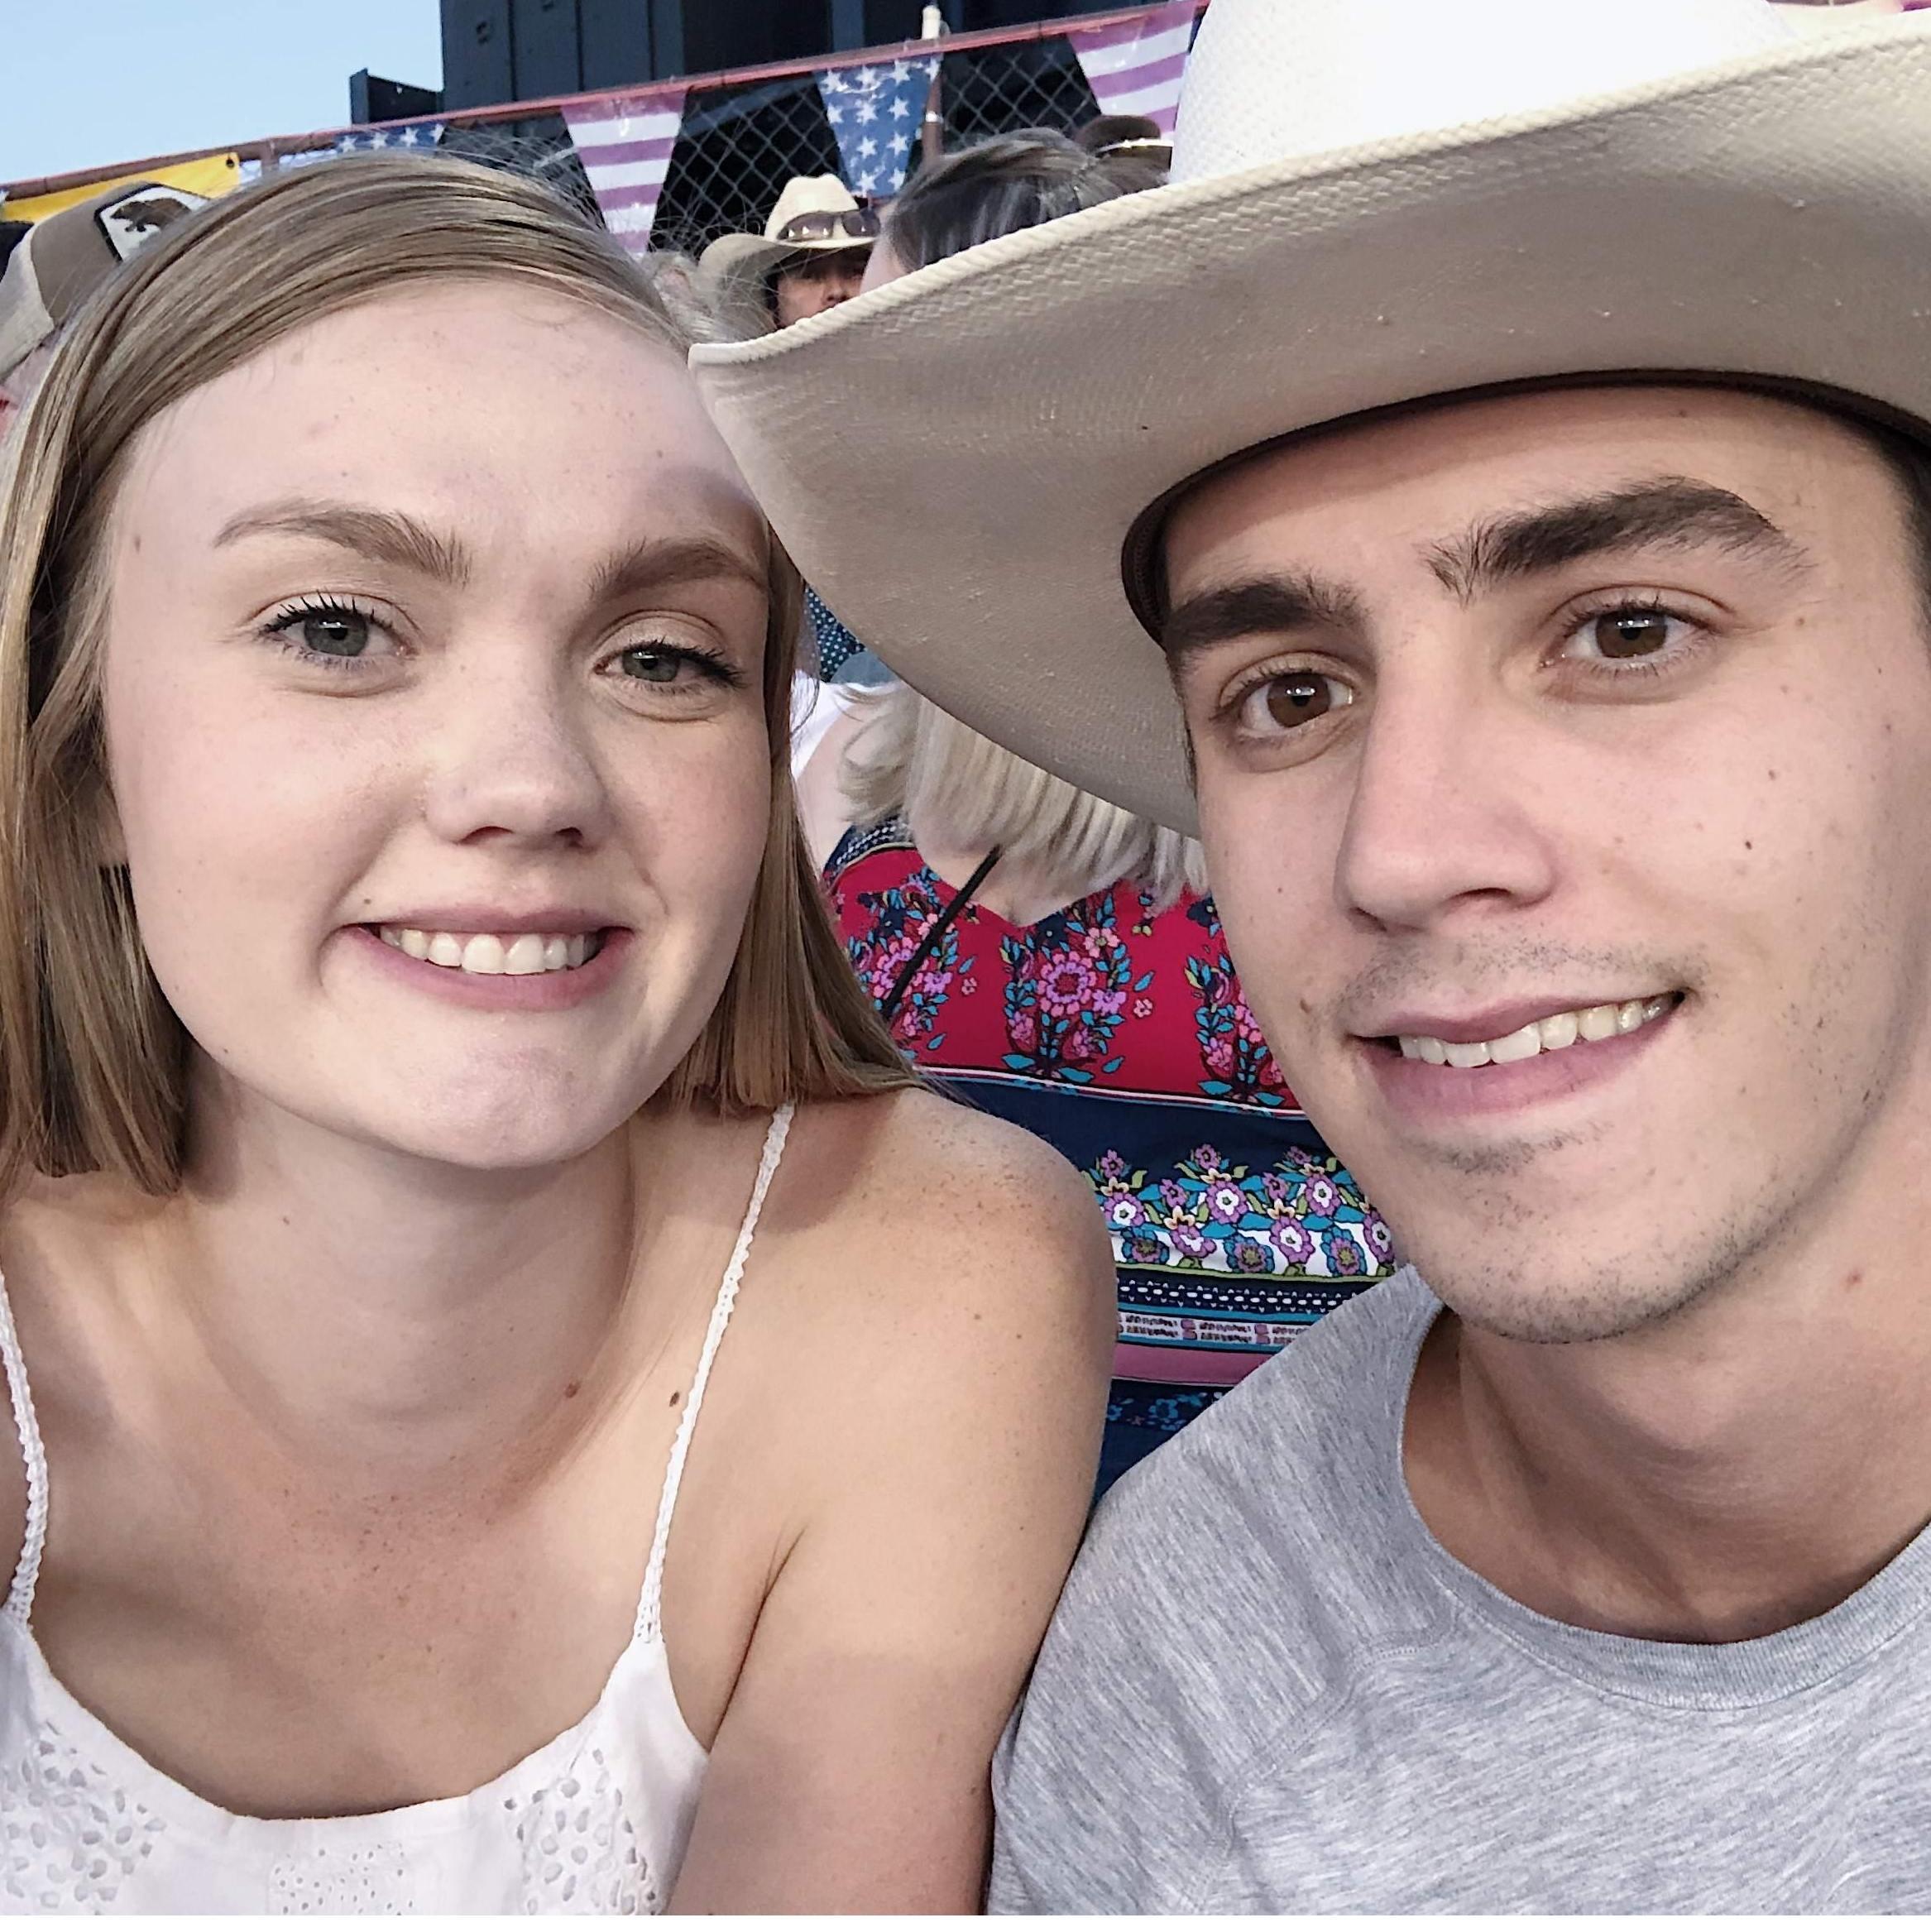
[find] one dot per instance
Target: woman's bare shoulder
(915, 1213)
(912, 1162)
(60, 1245)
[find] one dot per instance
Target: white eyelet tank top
(594, 1821)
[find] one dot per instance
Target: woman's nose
(514, 762)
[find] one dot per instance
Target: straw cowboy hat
(1373, 202)
(816, 214)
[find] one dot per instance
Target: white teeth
(525, 954)
(1552, 1035)
(1525, 1043)
(484, 954)
(522, 954)
(1559, 1030)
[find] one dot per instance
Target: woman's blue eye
(335, 634)
(651, 663)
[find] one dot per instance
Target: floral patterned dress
(1119, 1035)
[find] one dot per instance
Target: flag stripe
(614, 133)
(628, 174)
(638, 194)
(621, 153)
(1155, 74)
(1157, 104)
(1137, 69)
(1099, 52)
(625, 146)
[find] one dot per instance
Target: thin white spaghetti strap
(650, 1604)
(20, 1598)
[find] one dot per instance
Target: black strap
(934, 933)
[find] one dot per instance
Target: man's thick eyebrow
(1256, 608)
(658, 561)
(387, 536)
(1675, 512)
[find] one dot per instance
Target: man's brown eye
(1298, 697)
(1632, 634)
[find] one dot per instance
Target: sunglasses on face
(856, 224)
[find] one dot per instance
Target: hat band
(859, 224)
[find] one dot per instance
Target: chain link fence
(740, 146)
(740, 143)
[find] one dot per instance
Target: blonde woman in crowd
(1053, 957)
(413, 999)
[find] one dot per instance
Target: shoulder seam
(1299, 1731)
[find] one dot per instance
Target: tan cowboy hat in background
(1373, 202)
(733, 267)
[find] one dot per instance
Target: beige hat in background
(66, 255)
(1373, 202)
(732, 269)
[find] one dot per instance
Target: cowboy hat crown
(808, 194)
(1372, 203)
(1280, 80)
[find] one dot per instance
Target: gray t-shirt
(1268, 1688)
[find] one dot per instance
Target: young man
(1525, 481)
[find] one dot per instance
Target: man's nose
(1445, 816)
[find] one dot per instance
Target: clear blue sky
(91, 82)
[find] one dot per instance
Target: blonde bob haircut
(93, 1059)
(953, 787)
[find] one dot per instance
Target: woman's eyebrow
(390, 536)
(658, 561)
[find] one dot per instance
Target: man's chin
(1501, 1288)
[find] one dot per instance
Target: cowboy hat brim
(999, 422)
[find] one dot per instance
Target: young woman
(413, 1001)
(1051, 956)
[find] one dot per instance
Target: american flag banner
(411, 137)
(1136, 68)
(625, 146)
(874, 112)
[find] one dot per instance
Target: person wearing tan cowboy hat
(811, 256)
(1489, 493)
